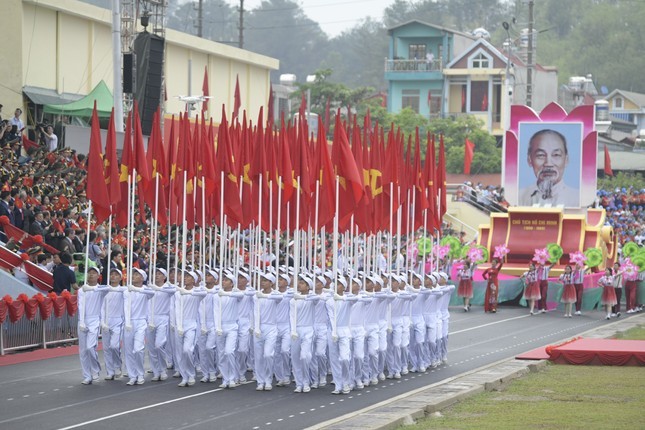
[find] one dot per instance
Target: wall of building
(66, 45)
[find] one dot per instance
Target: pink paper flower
(630, 271)
(441, 251)
(578, 258)
(475, 254)
(541, 256)
(501, 251)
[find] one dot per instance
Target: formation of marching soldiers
(360, 326)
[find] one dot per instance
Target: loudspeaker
(148, 51)
(127, 73)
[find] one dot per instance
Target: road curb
(406, 409)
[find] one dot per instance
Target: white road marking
(143, 408)
(488, 324)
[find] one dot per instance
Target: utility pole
(529, 59)
(241, 26)
(200, 17)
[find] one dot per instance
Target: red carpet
(534, 354)
(39, 354)
(609, 352)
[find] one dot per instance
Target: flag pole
(391, 233)
(87, 240)
(316, 216)
(277, 231)
(399, 215)
(296, 237)
(108, 257)
(335, 259)
(222, 239)
(184, 232)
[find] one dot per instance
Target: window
(479, 100)
(480, 61)
(618, 103)
(410, 99)
(434, 102)
(417, 52)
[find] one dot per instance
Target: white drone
(191, 101)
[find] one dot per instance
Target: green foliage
(564, 397)
(601, 37)
(487, 157)
(622, 180)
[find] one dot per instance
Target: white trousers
(156, 341)
(302, 354)
(112, 337)
(264, 353)
(134, 346)
(87, 343)
(226, 346)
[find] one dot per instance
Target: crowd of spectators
(625, 213)
(487, 197)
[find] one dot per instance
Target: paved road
(48, 395)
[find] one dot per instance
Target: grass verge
(557, 397)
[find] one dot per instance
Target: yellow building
(58, 50)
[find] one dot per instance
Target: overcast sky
(334, 16)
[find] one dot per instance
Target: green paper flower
(630, 249)
(594, 257)
(555, 252)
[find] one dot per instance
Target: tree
(280, 29)
(218, 20)
(487, 158)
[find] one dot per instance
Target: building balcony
(413, 70)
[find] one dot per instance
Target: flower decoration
(39, 297)
(639, 261)
(413, 251)
(52, 295)
(478, 254)
(424, 246)
(577, 258)
(23, 298)
(65, 294)
(630, 270)
(630, 249)
(555, 252)
(454, 244)
(441, 251)
(7, 298)
(501, 251)
(541, 256)
(594, 257)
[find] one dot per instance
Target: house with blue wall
(418, 52)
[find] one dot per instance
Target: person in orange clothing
(492, 287)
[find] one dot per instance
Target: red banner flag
(270, 109)
(608, 170)
(441, 181)
(111, 164)
(429, 181)
(350, 191)
(97, 191)
(237, 99)
(469, 152)
(205, 91)
(225, 164)
(324, 171)
(125, 171)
